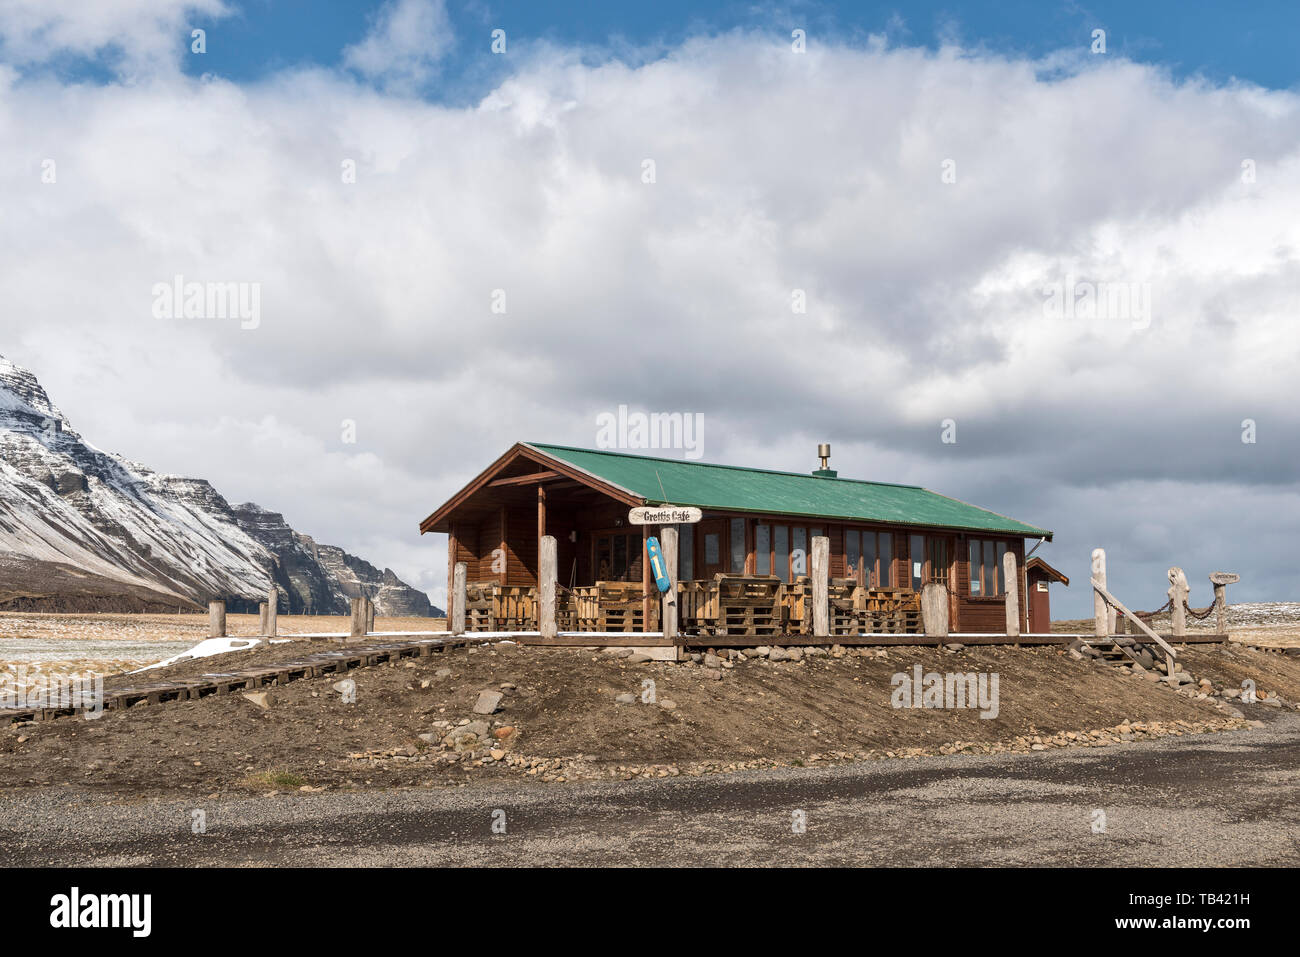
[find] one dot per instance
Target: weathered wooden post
(370, 617)
(821, 576)
(934, 609)
(261, 618)
(1013, 593)
(668, 545)
(1221, 581)
(548, 563)
(216, 619)
(358, 624)
(272, 610)
(1178, 597)
(458, 598)
(1100, 610)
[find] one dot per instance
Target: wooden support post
(458, 598)
(668, 544)
(261, 618)
(548, 559)
(216, 619)
(1100, 612)
(541, 512)
(934, 609)
(821, 580)
(272, 612)
(1178, 599)
(648, 587)
(370, 617)
(1012, 578)
(357, 627)
(451, 563)
(1221, 581)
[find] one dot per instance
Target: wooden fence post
(1221, 581)
(821, 573)
(358, 624)
(1100, 610)
(272, 610)
(261, 618)
(934, 609)
(1178, 598)
(668, 544)
(1013, 593)
(458, 598)
(370, 617)
(548, 560)
(216, 619)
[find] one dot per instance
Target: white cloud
(405, 43)
(775, 171)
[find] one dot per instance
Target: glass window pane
(975, 567)
(916, 555)
(686, 553)
(886, 549)
(799, 552)
(990, 570)
(869, 558)
(1002, 578)
(763, 549)
(620, 557)
(737, 546)
(852, 551)
(781, 552)
(712, 544)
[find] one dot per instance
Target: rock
(467, 736)
(712, 661)
(507, 686)
(762, 651)
(1273, 702)
(345, 686)
(816, 651)
(667, 704)
(837, 651)
(618, 652)
(626, 698)
(442, 673)
(956, 645)
(430, 738)
(638, 658)
(794, 654)
(502, 733)
(713, 674)
(777, 654)
(260, 698)
(489, 702)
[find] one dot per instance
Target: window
(916, 555)
(685, 553)
(873, 552)
(937, 555)
(712, 548)
(737, 546)
(783, 550)
(986, 578)
(617, 556)
(929, 560)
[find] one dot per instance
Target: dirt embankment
(560, 717)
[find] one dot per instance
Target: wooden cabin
(1038, 576)
(887, 540)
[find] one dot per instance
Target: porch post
(821, 610)
(546, 571)
(1013, 593)
(216, 619)
(272, 609)
(934, 609)
(1100, 613)
(458, 598)
(451, 563)
(668, 541)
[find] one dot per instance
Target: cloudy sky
(649, 192)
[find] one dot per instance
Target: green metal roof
(729, 487)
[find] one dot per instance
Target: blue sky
(1220, 41)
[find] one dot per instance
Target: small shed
(1038, 575)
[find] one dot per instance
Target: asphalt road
(1223, 799)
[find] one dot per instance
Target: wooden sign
(664, 515)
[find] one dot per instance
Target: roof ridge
(721, 465)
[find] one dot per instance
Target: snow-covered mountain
(81, 529)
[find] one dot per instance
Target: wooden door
(710, 548)
(1040, 614)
